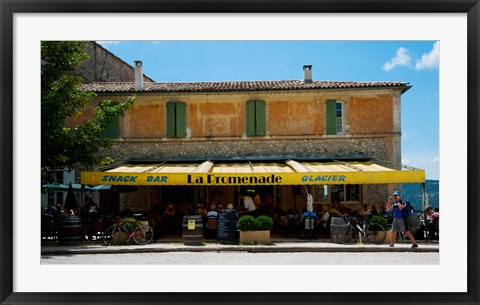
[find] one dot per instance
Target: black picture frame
(10, 7)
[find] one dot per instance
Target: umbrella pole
(424, 205)
(148, 199)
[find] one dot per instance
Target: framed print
(454, 24)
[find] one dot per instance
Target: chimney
(138, 75)
(307, 74)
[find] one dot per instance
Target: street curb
(248, 249)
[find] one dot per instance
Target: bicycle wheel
(143, 235)
(346, 234)
(375, 233)
(111, 235)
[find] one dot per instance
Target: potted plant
(255, 231)
(383, 222)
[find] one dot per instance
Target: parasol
(70, 201)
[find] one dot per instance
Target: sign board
(191, 224)
(227, 226)
(194, 179)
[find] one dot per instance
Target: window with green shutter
(255, 121)
(176, 120)
(334, 117)
(113, 129)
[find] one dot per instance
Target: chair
(97, 227)
(211, 227)
(48, 227)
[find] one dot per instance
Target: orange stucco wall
(371, 114)
(217, 118)
(302, 116)
(144, 119)
(223, 115)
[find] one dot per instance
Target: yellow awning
(290, 172)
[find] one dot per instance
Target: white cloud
(402, 58)
(429, 60)
(405, 161)
(436, 159)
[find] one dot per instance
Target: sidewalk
(279, 245)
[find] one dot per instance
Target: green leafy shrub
(380, 220)
(246, 223)
(128, 222)
(263, 223)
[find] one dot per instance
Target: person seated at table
(364, 210)
(334, 212)
(323, 221)
(169, 219)
(213, 211)
(51, 210)
(374, 210)
(201, 210)
(432, 221)
(436, 214)
(170, 211)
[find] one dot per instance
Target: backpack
(407, 210)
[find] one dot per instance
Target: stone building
(278, 127)
(104, 66)
(101, 66)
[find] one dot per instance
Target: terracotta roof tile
(237, 86)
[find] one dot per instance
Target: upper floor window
(256, 123)
(335, 117)
(113, 129)
(176, 120)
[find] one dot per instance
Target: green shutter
(260, 129)
(251, 118)
(113, 129)
(170, 119)
(331, 116)
(181, 120)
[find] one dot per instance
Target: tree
(62, 96)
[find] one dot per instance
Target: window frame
(176, 119)
(328, 116)
(112, 130)
(256, 118)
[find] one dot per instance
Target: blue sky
(415, 62)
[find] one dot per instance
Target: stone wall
(148, 149)
(104, 66)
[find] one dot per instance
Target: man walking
(398, 225)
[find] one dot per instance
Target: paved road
(243, 258)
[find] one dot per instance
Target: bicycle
(348, 233)
(142, 234)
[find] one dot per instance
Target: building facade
(244, 121)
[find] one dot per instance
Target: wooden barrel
(192, 229)
(334, 224)
(70, 230)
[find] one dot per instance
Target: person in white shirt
(250, 208)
